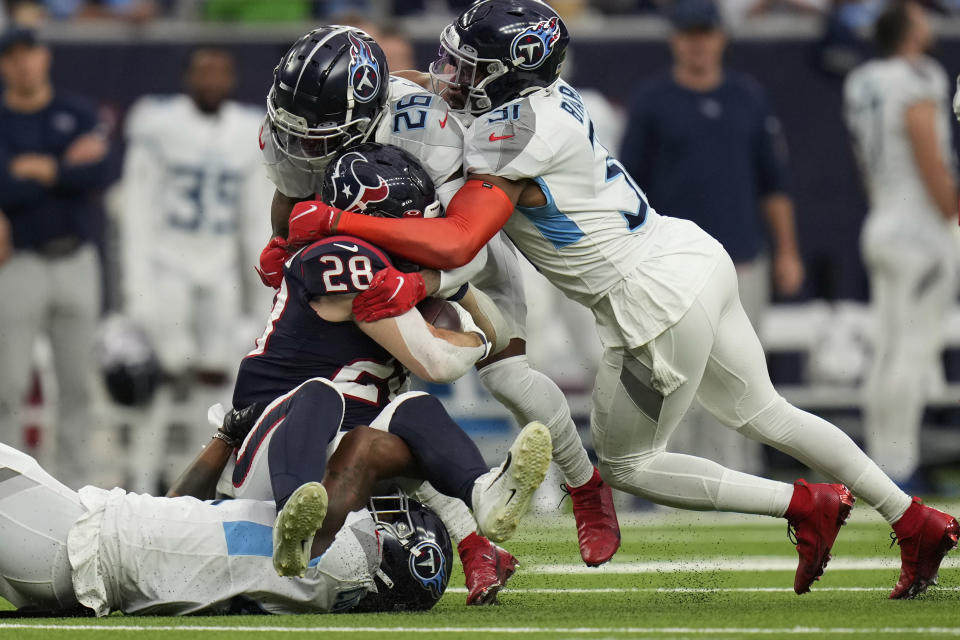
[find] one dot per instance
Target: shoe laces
(565, 490)
(792, 534)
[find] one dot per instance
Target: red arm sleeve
(477, 211)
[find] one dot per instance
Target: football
(440, 314)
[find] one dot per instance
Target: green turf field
(677, 575)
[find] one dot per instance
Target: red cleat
(486, 568)
(597, 529)
(814, 517)
(925, 535)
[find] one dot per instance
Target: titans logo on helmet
(351, 193)
(364, 70)
(533, 45)
(428, 565)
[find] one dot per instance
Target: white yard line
(582, 590)
(747, 563)
(902, 631)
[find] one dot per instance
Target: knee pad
(626, 473)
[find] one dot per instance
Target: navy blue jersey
(40, 214)
(298, 345)
(708, 156)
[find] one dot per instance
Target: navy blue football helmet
(417, 556)
(497, 51)
(329, 91)
(130, 368)
(379, 180)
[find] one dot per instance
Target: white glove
(467, 325)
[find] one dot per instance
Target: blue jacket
(39, 214)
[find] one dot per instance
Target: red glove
(272, 258)
(310, 221)
(391, 293)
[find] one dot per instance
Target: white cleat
(296, 525)
(501, 497)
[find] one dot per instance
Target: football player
(322, 370)
(116, 551)
(664, 294)
(897, 111)
(332, 89)
(199, 194)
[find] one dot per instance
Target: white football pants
(714, 354)
(912, 283)
(36, 513)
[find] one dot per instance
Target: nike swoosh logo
(348, 247)
(443, 122)
(513, 492)
(260, 138)
(312, 208)
(399, 286)
(494, 138)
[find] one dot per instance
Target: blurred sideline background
(819, 342)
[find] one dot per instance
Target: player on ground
(321, 369)
(664, 294)
(896, 109)
(117, 551)
(331, 89)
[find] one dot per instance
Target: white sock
(825, 448)
(530, 395)
(454, 514)
(688, 482)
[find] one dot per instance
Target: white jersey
(876, 97)
(194, 193)
(414, 120)
(597, 238)
(176, 556)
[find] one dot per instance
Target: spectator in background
(396, 47)
(897, 111)
(703, 143)
(52, 166)
(196, 210)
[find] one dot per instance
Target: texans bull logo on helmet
(533, 45)
(428, 565)
(351, 194)
(364, 70)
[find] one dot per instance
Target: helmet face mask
(329, 92)
(460, 77)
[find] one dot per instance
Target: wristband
(220, 435)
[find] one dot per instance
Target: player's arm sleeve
(770, 151)
(475, 214)
(435, 355)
